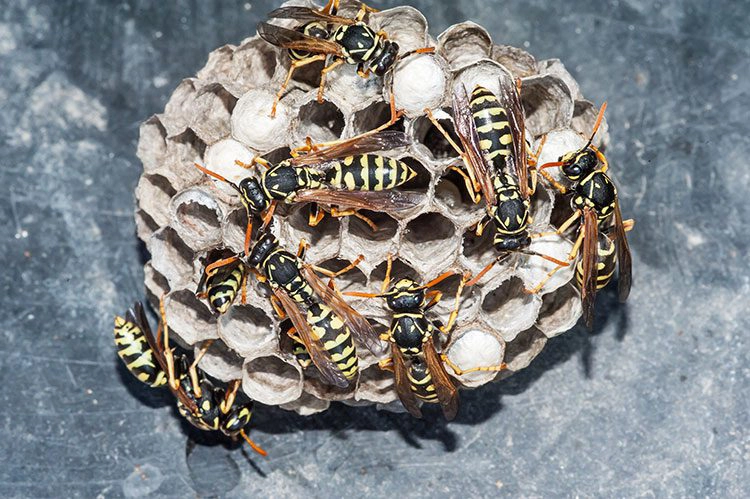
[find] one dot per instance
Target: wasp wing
(510, 99)
(589, 259)
(320, 357)
(308, 14)
(290, 39)
(138, 317)
(360, 327)
(625, 261)
(361, 144)
(403, 386)
(444, 387)
(389, 201)
(467, 134)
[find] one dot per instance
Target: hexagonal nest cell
(223, 114)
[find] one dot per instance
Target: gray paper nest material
(222, 115)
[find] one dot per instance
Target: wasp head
(262, 249)
(579, 163)
(387, 57)
(252, 195)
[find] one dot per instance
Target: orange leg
(295, 65)
(461, 372)
(326, 70)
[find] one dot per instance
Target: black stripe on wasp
(152, 361)
(601, 239)
(340, 178)
(221, 285)
(321, 319)
(323, 35)
(416, 364)
(494, 153)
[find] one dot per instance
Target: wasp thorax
(579, 163)
(358, 42)
(405, 295)
(262, 249)
(386, 59)
(252, 195)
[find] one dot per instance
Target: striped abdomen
(136, 353)
(368, 172)
(313, 29)
(222, 288)
(491, 121)
(329, 329)
(606, 260)
(420, 380)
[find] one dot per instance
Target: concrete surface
(655, 403)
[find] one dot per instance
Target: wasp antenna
(253, 445)
(216, 176)
(599, 119)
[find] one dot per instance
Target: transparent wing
(308, 14)
(510, 99)
(588, 263)
(360, 327)
(403, 387)
(467, 133)
(290, 39)
(446, 390)
(388, 201)
(319, 355)
(624, 259)
(361, 144)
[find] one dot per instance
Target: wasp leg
(481, 225)
(229, 396)
(243, 287)
(316, 215)
(256, 160)
(363, 73)
(279, 310)
(331, 7)
(295, 65)
(302, 249)
(469, 183)
(268, 215)
(248, 233)
(168, 353)
(571, 256)
(386, 364)
(335, 212)
(461, 372)
(193, 370)
(560, 230)
(326, 70)
(363, 10)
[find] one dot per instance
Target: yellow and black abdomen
(606, 261)
(223, 287)
(313, 29)
(491, 122)
(368, 172)
(135, 352)
(421, 382)
(329, 329)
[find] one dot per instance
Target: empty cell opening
(258, 55)
(156, 284)
(558, 310)
(561, 211)
(387, 226)
(198, 218)
(399, 270)
(234, 229)
(428, 229)
(221, 362)
(507, 302)
(451, 192)
(448, 287)
(162, 184)
(321, 122)
(246, 324)
(170, 255)
(274, 157)
(270, 380)
(189, 145)
(426, 133)
(373, 116)
(525, 346)
(351, 280)
(219, 95)
(145, 224)
(422, 179)
(189, 317)
(479, 249)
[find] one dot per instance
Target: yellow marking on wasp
(485, 144)
(497, 125)
(482, 99)
(348, 160)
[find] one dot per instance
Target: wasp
(344, 176)
(344, 39)
(494, 152)
(222, 285)
(322, 320)
(601, 235)
(150, 359)
(418, 368)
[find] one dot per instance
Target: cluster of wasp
(341, 178)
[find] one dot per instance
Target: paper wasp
(417, 366)
(492, 134)
(343, 177)
(344, 39)
(322, 320)
(601, 233)
(221, 286)
(151, 360)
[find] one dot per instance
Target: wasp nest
(222, 115)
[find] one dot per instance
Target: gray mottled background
(654, 403)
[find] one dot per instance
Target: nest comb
(222, 115)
